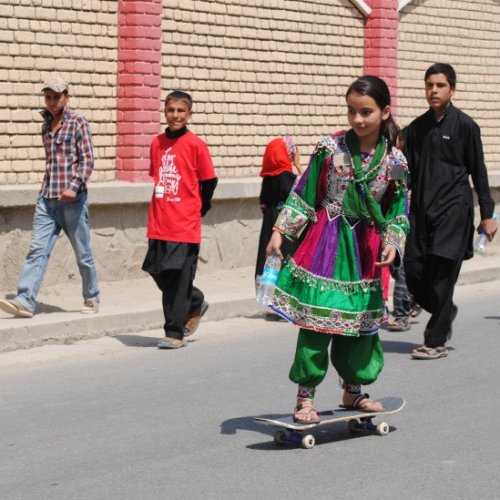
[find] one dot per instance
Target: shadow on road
(232, 425)
(492, 317)
(398, 346)
(141, 341)
(137, 340)
(337, 432)
(41, 307)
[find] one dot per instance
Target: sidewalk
(133, 305)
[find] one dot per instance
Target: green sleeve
(397, 225)
(300, 207)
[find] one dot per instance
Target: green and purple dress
(344, 209)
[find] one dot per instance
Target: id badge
(159, 191)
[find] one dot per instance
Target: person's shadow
(137, 340)
(233, 425)
(399, 346)
(40, 308)
(141, 340)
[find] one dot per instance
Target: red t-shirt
(177, 167)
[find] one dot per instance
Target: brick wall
(139, 86)
(381, 44)
(257, 69)
(466, 35)
(80, 44)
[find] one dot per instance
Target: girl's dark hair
(377, 89)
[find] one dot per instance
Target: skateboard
(357, 421)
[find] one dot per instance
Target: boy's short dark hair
(178, 95)
(446, 69)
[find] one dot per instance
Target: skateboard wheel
(308, 441)
(279, 437)
(382, 429)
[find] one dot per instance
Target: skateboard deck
(359, 421)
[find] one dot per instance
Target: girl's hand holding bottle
(387, 256)
(274, 244)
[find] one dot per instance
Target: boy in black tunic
(443, 149)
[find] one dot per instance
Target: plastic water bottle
(268, 280)
(482, 240)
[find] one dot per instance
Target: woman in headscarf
(280, 156)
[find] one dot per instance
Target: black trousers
(179, 297)
(431, 280)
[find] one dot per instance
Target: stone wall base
(118, 231)
(118, 215)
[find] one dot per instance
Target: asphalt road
(116, 418)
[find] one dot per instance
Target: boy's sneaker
(15, 308)
(171, 343)
(90, 307)
(399, 324)
(193, 321)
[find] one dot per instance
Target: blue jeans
(52, 215)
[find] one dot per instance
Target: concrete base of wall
(118, 219)
(118, 213)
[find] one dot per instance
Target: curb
(68, 327)
(68, 331)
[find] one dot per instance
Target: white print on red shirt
(169, 175)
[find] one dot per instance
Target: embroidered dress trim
(327, 143)
(334, 210)
(304, 299)
(352, 389)
(294, 216)
(323, 284)
(395, 233)
(306, 392)
(326, 320)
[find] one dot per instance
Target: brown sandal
(305, 413)
(424, 352)
(361, 401)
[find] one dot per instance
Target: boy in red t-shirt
(184, 182)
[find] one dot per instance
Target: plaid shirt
(69, 156)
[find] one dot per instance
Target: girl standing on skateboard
(349, 213)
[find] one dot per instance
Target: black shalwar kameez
(441, 155)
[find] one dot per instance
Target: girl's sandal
(362, 402)
(305, 413)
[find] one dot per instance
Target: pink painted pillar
(381, 44)
(138, 85)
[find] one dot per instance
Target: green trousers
(358, 360)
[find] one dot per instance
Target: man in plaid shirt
(62, 202)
